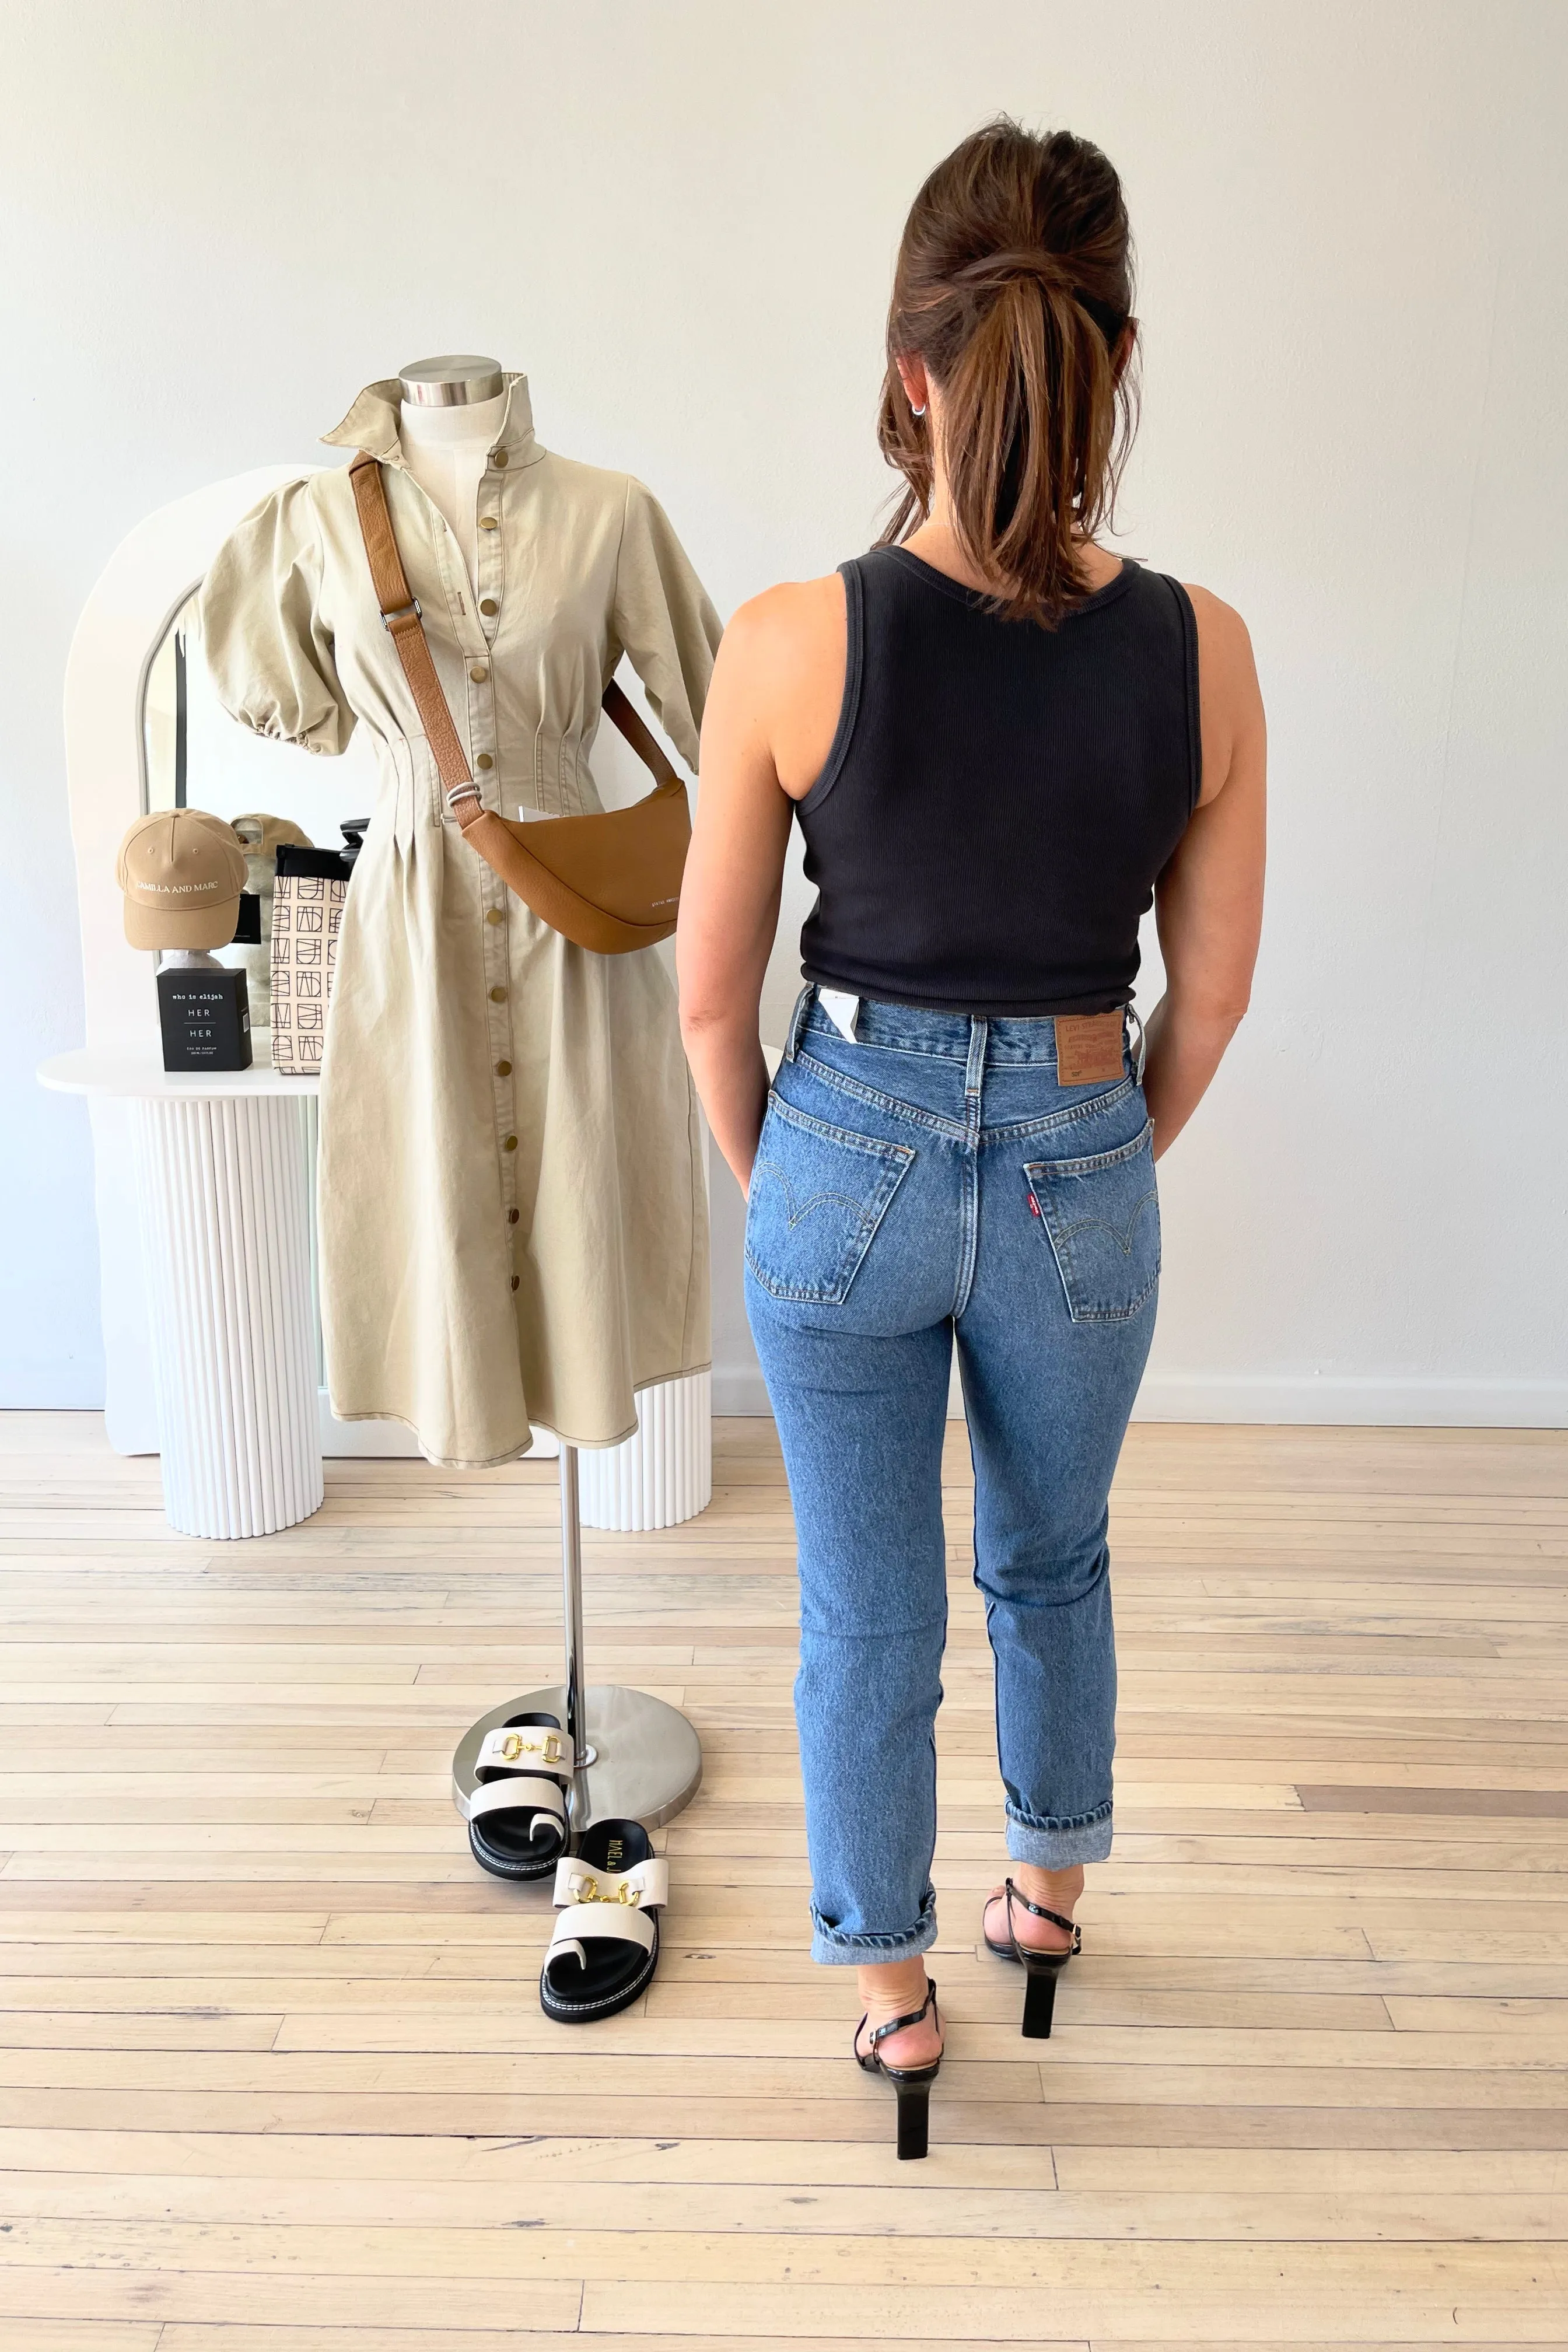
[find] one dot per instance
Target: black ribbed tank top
(999, 798)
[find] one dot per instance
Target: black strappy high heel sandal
(911, 2084)
(1041, 1969)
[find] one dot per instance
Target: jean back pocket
(818, 1194)
(1102, 1218)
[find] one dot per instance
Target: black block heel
(1039, 2001)
(914, 2117)
(911, 2084)
(1041, 1969)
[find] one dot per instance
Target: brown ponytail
(1013, 285)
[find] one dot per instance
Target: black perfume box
(206, 1018)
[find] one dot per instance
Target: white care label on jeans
(842, 1010)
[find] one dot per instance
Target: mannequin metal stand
(638, 1759)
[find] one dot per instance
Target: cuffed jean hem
(834, 1951)
(1057, 1845)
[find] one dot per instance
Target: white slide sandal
(517, 1815)
(604, 1949)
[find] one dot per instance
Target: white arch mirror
(192, 754)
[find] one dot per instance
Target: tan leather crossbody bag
(610, 882)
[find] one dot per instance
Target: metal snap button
(497, 457)
(488, 605)
(492, 914)
(503, 1069)
(498, 996)
(509, 1144)
(512, 1214)
(478, 673)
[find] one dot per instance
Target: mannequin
(450, 412)
(514, 1222)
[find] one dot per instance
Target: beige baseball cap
(181, 872)
(262, 836)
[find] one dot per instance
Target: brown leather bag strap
(400, 618)
(621, 713)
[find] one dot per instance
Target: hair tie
(992, 271)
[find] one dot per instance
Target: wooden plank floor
(274, 2074)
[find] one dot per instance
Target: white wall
(679, 220)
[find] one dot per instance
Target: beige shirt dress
(513, 1207)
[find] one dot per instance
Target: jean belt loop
(974, 1070)
(798, 1019)
(1140, 1050)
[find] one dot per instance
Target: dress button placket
(498, 975)
(482, 737)
(490, 563)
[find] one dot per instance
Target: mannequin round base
(647, 1760)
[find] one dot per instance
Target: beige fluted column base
(222, 1183)
(663, 1474)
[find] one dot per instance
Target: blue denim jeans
(931, 1182)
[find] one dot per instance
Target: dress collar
(371, 424)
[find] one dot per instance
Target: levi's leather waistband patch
(1088, 1048)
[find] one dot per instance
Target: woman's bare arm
(1208, 903)
(734, 873)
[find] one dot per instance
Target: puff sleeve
(269, 653)
(664, 620)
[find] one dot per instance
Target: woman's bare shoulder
(1230, 700)
(1224, 642)
(784, 651)
(794, 618)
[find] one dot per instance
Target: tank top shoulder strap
(851, 571)
(1167, 586)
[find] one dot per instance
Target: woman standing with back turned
(1001, 742)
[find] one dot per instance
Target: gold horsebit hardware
(587, 1890)
(514, 1746)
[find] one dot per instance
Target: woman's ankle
(895, 1988)
(900, 1988)
(1056, 1890)
(1053, 1891)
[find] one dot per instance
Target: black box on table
(206, 1020)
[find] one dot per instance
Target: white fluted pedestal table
(222, 1183)
(663, 1473)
